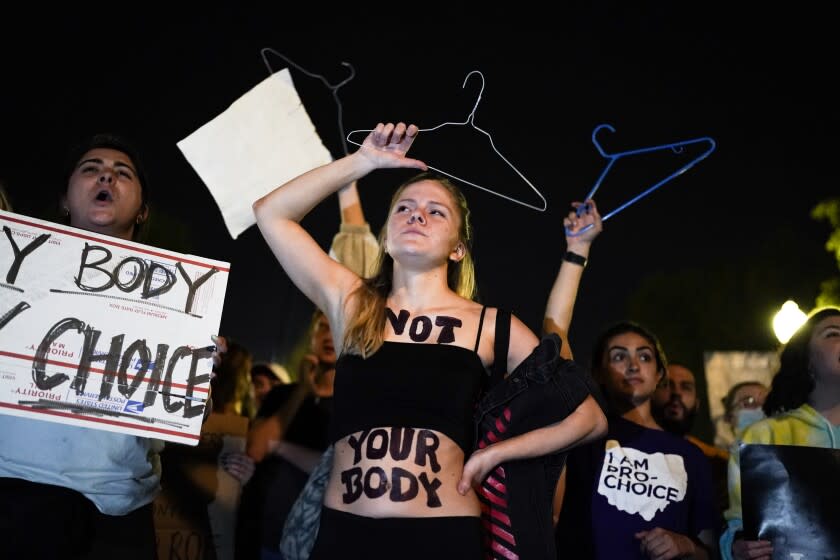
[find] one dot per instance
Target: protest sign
(790, 495)
(105, 333)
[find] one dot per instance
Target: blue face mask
(745, 417)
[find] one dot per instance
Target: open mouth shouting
(104, 196)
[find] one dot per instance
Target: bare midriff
(399, 472)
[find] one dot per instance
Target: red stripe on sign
(100, 420)
(114, 243)
(163, 383)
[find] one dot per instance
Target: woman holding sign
(414, 348)
(68, 491)
(802, 408)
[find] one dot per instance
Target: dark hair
(263, 370)
(729, 400)
(664, 380)
(600, 347)
(113, 142)
(794, 382)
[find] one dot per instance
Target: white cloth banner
(262, 140)
(104, 333)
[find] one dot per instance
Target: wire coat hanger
(332, 87)
(676, 147)
(470, 120)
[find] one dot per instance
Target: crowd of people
(417, 422)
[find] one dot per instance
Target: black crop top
(431, 386)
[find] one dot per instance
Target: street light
(787, 320)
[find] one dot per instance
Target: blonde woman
(414, 346)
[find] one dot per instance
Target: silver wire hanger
(676, 147)
(332, 87)
(470, 120)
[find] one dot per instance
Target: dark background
(704, 261)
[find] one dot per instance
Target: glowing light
(787, 320)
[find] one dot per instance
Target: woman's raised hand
(583, 223)
(387, 144)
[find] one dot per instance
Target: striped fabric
(499, 539)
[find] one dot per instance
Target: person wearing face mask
(742, 406)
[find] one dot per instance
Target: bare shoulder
(522, 342)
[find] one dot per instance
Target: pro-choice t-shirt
(634, 479)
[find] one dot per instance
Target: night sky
(657, 76)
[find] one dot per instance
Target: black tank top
(404, 384)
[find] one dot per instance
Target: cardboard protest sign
(104, 333)
(790, 495)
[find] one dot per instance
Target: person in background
(264, 376)
(288, 441)
(73, 492)
(675, 406)
(638, 492)
(231, 385)
(190, 482)
(742, 406)
(802, 408)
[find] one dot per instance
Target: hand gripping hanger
(333, 88)
(677, 147)
(470, 120)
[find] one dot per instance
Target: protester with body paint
(411, 367)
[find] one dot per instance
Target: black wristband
(574, 258)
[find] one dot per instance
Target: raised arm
(324, 281)
(350, 205)
(354, 245)
(561, 300)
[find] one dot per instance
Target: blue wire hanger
(470, 120)
(333, 88)
(677, 148)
